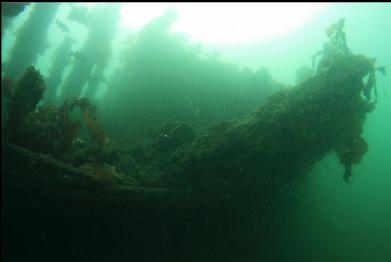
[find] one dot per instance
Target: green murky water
(142, 79)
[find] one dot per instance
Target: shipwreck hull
(231, 185)
(292, 131)
(57, 220)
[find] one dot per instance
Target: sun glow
(226, 23)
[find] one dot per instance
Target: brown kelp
(55, 131)
(45, 128)
(371, 82)
(70, 128)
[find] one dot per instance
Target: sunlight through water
(226, 24)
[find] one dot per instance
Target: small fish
(62, 26)
(79, 56)
(382, 69)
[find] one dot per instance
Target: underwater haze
(168, 89)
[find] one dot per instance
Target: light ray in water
(229, 23)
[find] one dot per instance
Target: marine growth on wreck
(293, 130)
(183, 151)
